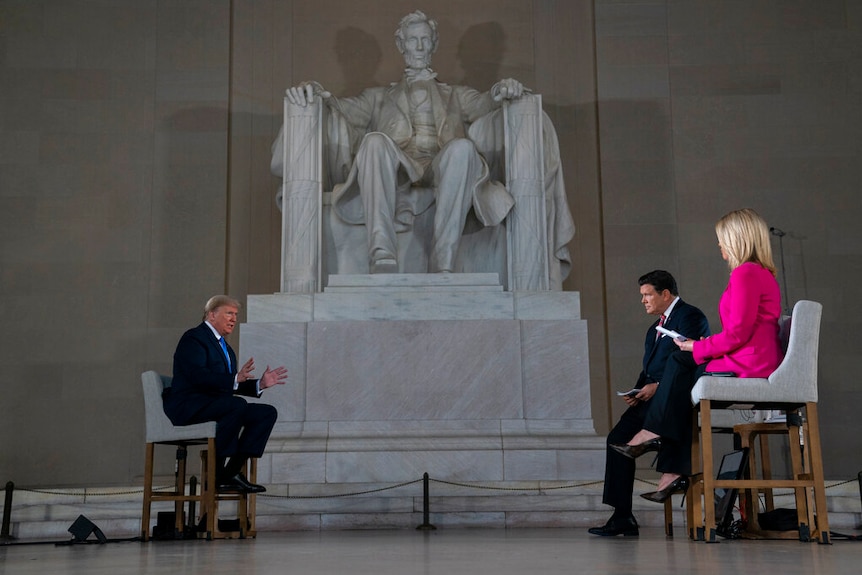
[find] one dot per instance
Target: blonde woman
(747, 346)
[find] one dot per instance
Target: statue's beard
(417, 62)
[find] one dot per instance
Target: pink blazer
(748, 343)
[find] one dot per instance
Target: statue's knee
(458, 152)
(460, 146)
(374, 143)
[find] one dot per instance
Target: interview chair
(160, 431)
(792, 388)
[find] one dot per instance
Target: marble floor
(445, 551)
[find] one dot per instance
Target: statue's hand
(304, 94)
(508, 89)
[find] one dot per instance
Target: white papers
(631, 393)
(671, 333)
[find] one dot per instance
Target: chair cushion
(739, 389)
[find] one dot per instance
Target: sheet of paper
(671, 333)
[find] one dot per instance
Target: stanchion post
(859, 477)
(193, 490)
(7, 513)
(426, 525)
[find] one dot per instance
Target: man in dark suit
(660, 296)
(205, 386)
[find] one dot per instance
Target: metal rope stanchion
(426, 525)
(7, 513)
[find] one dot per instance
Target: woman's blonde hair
(744, 236)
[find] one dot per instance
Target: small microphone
(777, 232)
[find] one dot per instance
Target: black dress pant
(670, 413)
(619, 469)
(242, 428)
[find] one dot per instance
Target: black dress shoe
(679, 485)
(635, 451)
(238, 483)
(625, 526)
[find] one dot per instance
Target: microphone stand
(780, 235)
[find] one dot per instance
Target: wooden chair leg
(148, 492)
(709, 525)
(668, 517)
(804, 507)
(694, 505)
(209, 487)
(805, 457)
(180, 488)
(749, 497)
(815, 456)
(766, 470)
(245, 503)
(251, 527)
(668, 511)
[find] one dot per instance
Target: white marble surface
(413, 297)
(425, 370)
(416, 281)
(276, 344)
(395, 375)
(414, 370)
(403, 305)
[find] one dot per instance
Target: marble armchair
(528, 250)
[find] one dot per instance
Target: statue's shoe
(384, 266)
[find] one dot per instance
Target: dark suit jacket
(201, 374)
(685, 319)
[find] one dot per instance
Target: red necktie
(660, 323)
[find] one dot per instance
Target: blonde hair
(218, 301)
(744, 236)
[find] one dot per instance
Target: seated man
(417, 132)
(660, 297)
(205, 382)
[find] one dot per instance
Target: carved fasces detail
(526, 223)
(301, 198)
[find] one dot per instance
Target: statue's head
(416, 39)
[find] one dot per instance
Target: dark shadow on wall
(359, 56)
(480, 53)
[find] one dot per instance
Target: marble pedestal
(395, 375)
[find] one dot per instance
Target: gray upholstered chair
(791, 388)
(160, 430)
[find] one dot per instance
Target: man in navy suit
(206, 385)
(660, 296)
